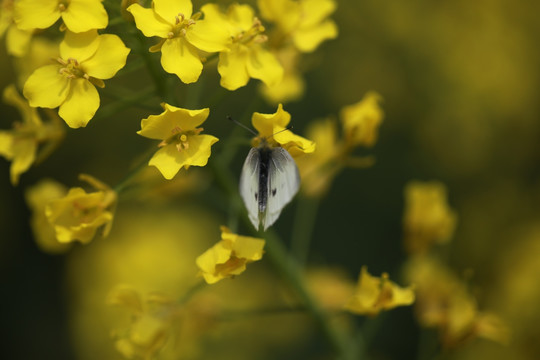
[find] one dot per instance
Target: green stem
(134, 172)
(191, 291)
(289, 270)
(119, 105)
(304, 224)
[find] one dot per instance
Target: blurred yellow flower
(304, 21)
(273, 129)
(230, 256)
(150, 326)
(361, 121)
(77, 15)
(443, 302)
(39, 53)
(181, 145)
(78, 215)
(291, 87)
(331, 287)
(30, 139)
(374, 295)
(245, 57)
(85, 60)
(182, 35)
(37, 198)
(320, 168)
(17, 40)
(427, 218)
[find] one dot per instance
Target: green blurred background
(460, 82)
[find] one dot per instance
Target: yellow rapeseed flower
(427, 218)
(374, 295)
(30, 139)
(273, 128)
(245, 57)
(77, 15)
(304, 21)
(182, 35)
(182, 144)
(151, 322)
(361, 121)
(292, 85)
(37, 197)
(85, 60)
(17, 40)
(78, 215)
(229, 257)
(444, 302)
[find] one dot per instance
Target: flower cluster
(360, 127)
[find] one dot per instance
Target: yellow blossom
(182, 34)
(85, 60)
(292, 85)
(229, 257)
(332, 287)
(319, 168)
(245, 57)
(361, 121)
(273, 129)
(304, 21)
(374, 295)
(150, 326)
(30, 139)
(443, 302)
(78, 215)
(17, 40)
(40, 52)
(37, 198)
(427, 217)
(77, 15)
(182, 144)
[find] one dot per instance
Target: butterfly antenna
(241, 125)
(280, 131)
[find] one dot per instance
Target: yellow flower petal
(168, 9)
(208, 36)
(241, 15)
(46, 87)
(81, 103)
(199, 150)
(265, 124)
(166, 161)
(315, 11)
(308, 39)
(149, 22)
(229, 256)
(78, 215)
(290, 88)
(232, 68)
(160, 127)
(25, 154)
(264, 66)
(31, 14)
(84, 15)
(6, 144)
(180, 58)
(79, 46)
(169, 159)
(109, 57)
(18, 41)
(37, 198)
(217, 254)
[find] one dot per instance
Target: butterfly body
(269, 181)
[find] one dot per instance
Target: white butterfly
(268, 182)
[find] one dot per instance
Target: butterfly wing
(249, 185)
(283, 184)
